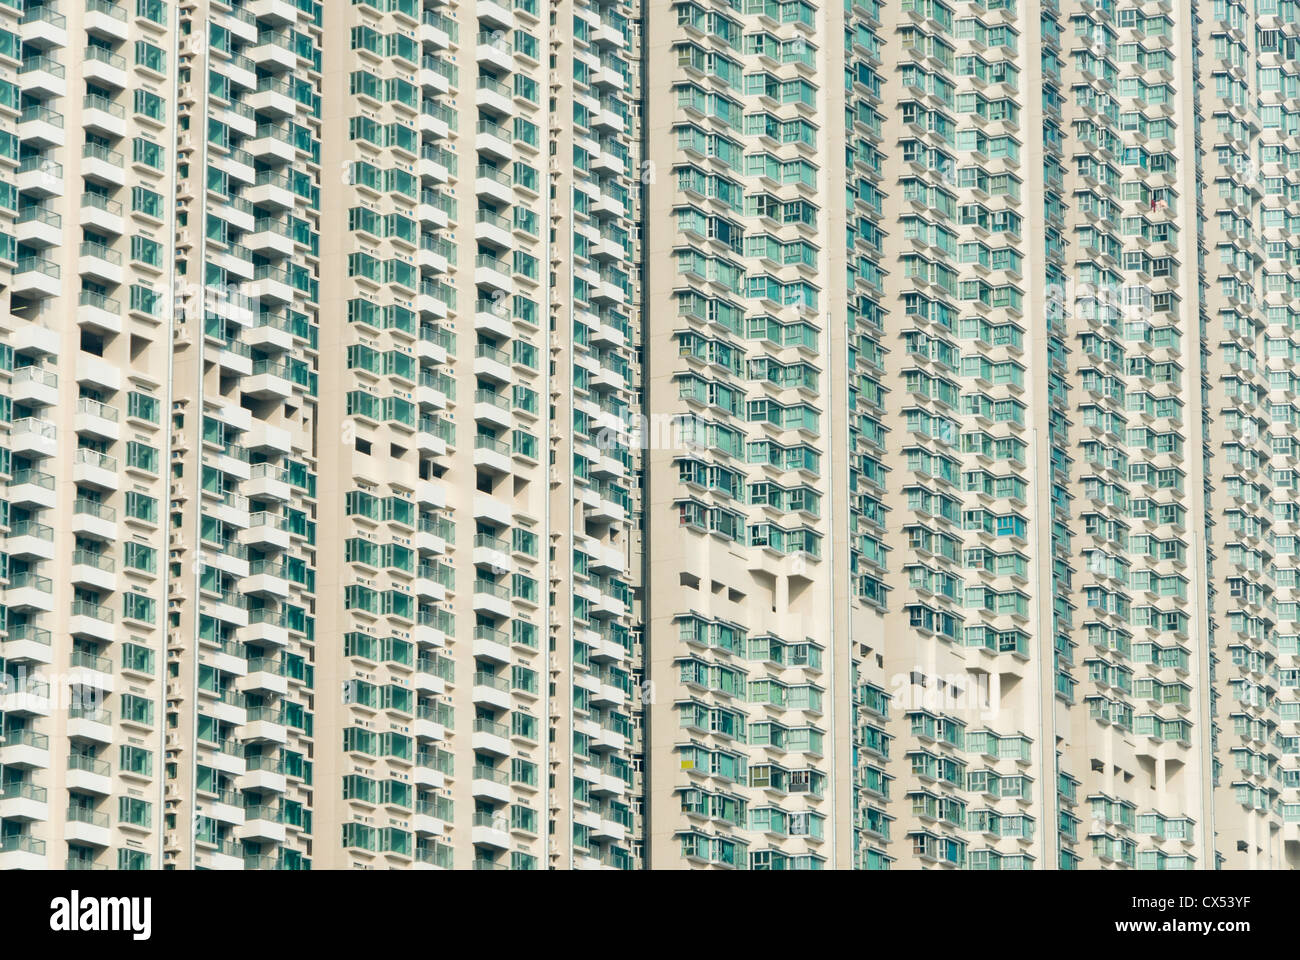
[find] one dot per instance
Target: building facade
(710, 434)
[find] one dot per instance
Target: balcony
(491, 691)
(492, 456)
(273, 98)
(428, 584)
(427, 679)
(27, 644)
(493, 364)
(493, 140)
(34, 387)
(494, 14)
(430, 537)
(91, 620)
(106, 18)
(267, 482)
(271, 143)
(426, 774)
(238, 211)
(490, 784)
(97, 420)
(431, 437)
(227, 756)
(95, 469)
(237, 418)
(265, 774)
(492, 274)
(492, 510)
(608, 830)
(433, 210)
(231, 607)
(98, 373)
(262, 824)
(98, 313)
(607, 783)
(436, 165)
(275, 12)
(30, 593)
(608, 740)
(266, 531)
(103, 166)
(265, 675)
(433, 254)
(230, 508)
(32, 489)
(233, 459)
(30, 540)
(492, 317)
(36, 226)
(26, 697)
(265, 628)
(40, 178)
(428, 724)
(236, 260)
(608, 121)
(90, 723)
(432, 298)
(22, 852)
(95, 520)
(270, 238)
(89, 774)
(491, 830)
(433, 495)
(438, 30)
(608, 34)
(224, 703)
(103, 117)
(41, 127)
(227, 856)
(492, 553)
(273, 51)
(231, 354)
(493, 184)
(91, 672)
(37, 279)
(100, 263)
(104, 67)
(609, 74)
(229, 657)
(101, 214)
(492, 645)
(431, 392)
(94, 570)
(429, 633)
(271, 190)
(265, 725)
(88, 826)
(430, 819)
(494, 50)
(262, 436)
(269, 381)
(607, 206)
(25, 750)
(226, 555)
(227, 806)
(492, 599)
(43, 77)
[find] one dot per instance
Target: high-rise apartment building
(738, 434)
